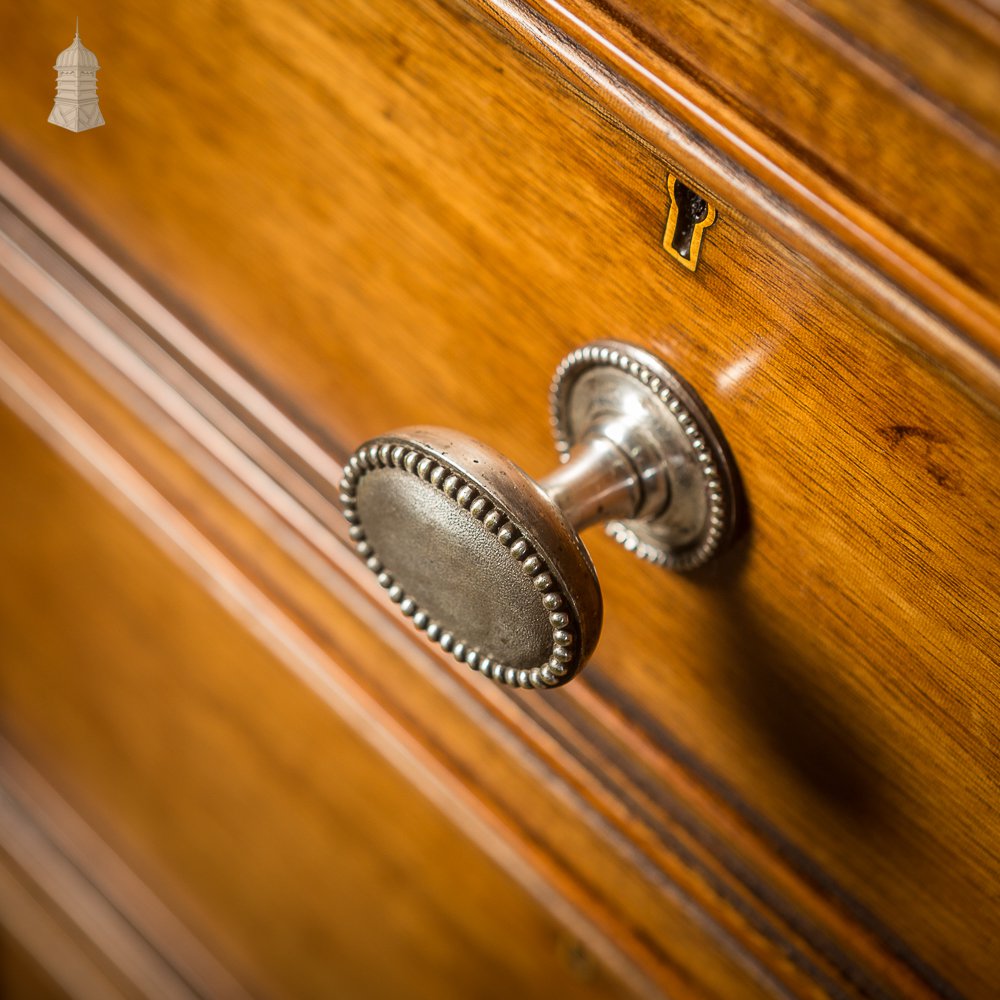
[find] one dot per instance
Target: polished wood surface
(405, 240)
(498, 774)
(856, 116)
(287, 843)
(21, 977)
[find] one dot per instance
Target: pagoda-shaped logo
(76, 105)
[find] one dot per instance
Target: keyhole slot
(690, 214)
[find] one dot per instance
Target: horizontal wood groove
(946, 115)
(282, 468)
(808, 213)
(843, 916)
(53, 420)
(55, 856)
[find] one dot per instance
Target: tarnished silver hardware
(687, 504)
(490, 564)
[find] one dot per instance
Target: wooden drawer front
(386, 214)
(294, 850)
(21, 977)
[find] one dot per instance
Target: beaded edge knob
(538, 541)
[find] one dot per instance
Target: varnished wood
(803, 209)
(412, 242)
(89, 925)
(302, 891)
(713, 143)
(595, 882)
(944, 49)
(115, 424)
(886, 166)
(21, 976)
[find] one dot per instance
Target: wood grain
(696, 131)
(290, 847)
(582, 838)
(409, 245)
(21, 976)
(888, 167)
(946, 51)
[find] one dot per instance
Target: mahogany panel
(295, 851)
(396, 228)
(650, 867)
(21, 976)
(831, 108)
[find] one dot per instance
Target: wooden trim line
(99, 464)
(243, 432)
(81, 912)
(923, 300)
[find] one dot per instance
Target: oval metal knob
(489, 562)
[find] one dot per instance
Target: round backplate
(608, 380)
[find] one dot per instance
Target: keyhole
(690, 214)
(691, 209)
